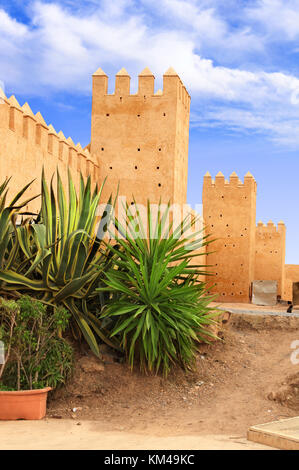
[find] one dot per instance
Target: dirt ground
(245, 379)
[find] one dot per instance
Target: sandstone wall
(27, 144)
(270, 253)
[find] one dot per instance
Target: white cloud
(11, 27)
(211, 32)
(64, 46)
(277, 16)
(282, 128)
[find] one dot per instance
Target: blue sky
(238, 59)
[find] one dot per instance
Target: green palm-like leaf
(160, 304)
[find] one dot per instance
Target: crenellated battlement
(270, 227)
(234, 181)
(172, 85)
(37, 133)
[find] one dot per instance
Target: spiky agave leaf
(9, 247)
(66, 258)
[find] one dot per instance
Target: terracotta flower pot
(26, 404)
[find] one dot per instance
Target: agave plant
(66, 258)
(160, 305)
(9, 247)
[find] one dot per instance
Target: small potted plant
(36, 358)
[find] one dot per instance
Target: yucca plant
(66, 258)
(160, 305)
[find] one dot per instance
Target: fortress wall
(141, 140)
(270, 253)
(27, 144)
(229, 214)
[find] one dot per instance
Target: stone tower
(229, 211)
(270, 251)
(140, 141)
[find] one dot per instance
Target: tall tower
(229, 211)
(141, 141)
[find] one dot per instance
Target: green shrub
(35, 354)
(159, 305)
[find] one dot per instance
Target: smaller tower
(229, 210)
(270, 253)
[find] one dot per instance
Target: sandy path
(211, 408)
(67, 434)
